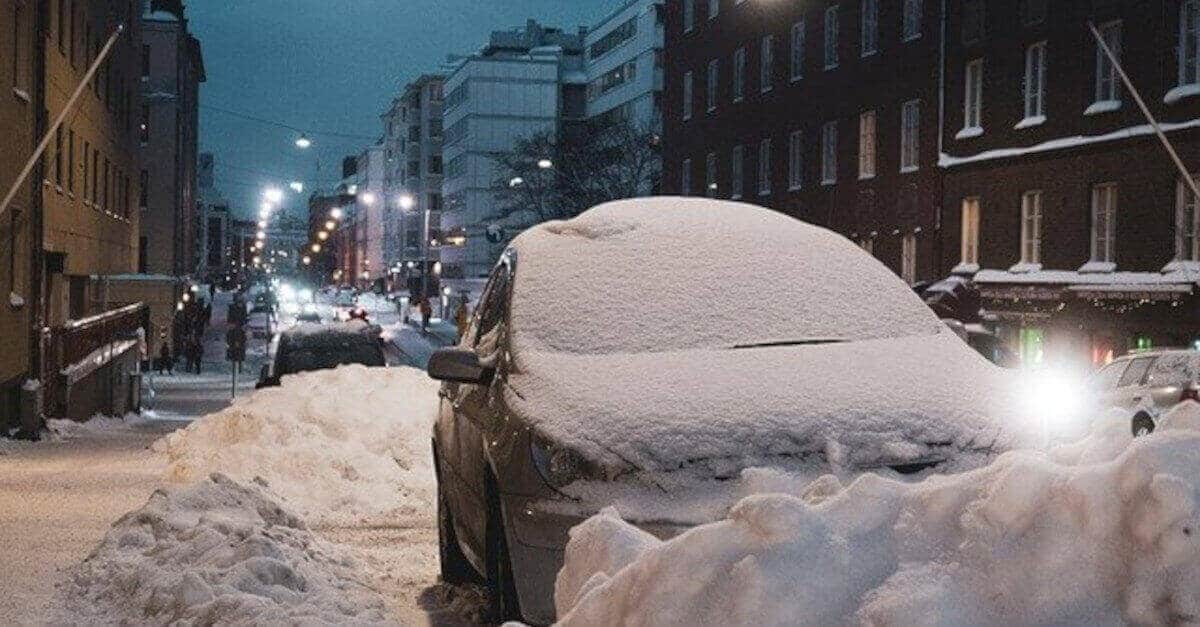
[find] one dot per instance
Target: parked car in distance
(1148, 384)
(306, 347)
(599, 370)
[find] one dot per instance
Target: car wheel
(1142, 425)
(502, 589)
(455, 567)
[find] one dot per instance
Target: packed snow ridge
(1102, 532)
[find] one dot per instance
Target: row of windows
(910, 143)
(102, 183)
(1104, 214)
(70, 27)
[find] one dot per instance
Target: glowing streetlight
(186, 297)
(336, 213)
(330, 225)
(367, 198)
(437, 267)
(406, 201)
(258, 245)
(303, 142)
(260, 235)
(274, 195)
(322, 236)
(545, 164)
(257, 260)
(297, 187)
(316, 248)
(307, 260)
(262, 224)
(516, 181)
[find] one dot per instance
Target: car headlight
(558, 466)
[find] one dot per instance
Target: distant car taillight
(1190, 393)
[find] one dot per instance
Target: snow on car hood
(855, 404)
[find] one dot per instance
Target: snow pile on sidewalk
(65, 429)
(338, 445)
(1105, 532)
(218, 552)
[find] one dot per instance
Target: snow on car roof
(662, 274)
(309, 331)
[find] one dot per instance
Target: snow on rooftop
(1100, 533)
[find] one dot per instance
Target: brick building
(1058, 198)
(825, 111)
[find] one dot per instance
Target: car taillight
(1189, 393)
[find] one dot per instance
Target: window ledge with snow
(1098, 267)
(1029, 122)
(21, 94)
(828, 183)
(15, 300)
(1103, 106)
(1181, 92)
(908, 169)
(1025, 268)
(865, 177)
(965, 268)
(969, 132)
(1181, 265)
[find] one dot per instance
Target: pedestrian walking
(164, 358)
(198, 350)
(426, 313)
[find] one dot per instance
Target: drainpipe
(937, 228)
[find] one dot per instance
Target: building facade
(18, 230)
(215, 251)
(826, 112)
(415, 126)
(624, 65)
(172, 69)
(522, 83)
(1060, 201)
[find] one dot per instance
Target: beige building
(171, 72)
(20, 84)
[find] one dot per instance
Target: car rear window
(1108, 376)
(311, 358)
(1174, 370)
(1136, 372)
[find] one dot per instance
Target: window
(739, 74)
(689, 15)
(870, 27)
(1107, 85)
(1031, 227)
(607, 43)
(105, 198)
(494, 304)
(87, 161)
(831, 37)
(866, 145)
(1136, 372)
(144, 189)
(829, 153)
(74, 49)
(714, 9)
(796, 160)
(685, 178)
(1187, 222)
(58, 157)
(21, 49)
(912, 19)
(1104, 214)
(687, 95)
(1033, 12)
(973, 21)
(63, 34)
(970, 231)
(868, 245)
(737, 173)
(908, 258)
(764, 167)
(71, 161)
(766, 63)
(1035, 82)
(910, 135)
(973, 99)
(710, 175)
(797, 51)
(1189, 43)
(711, 87)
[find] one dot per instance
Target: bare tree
(546, 177)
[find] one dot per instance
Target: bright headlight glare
(557, 465)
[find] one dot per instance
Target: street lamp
(406, 201)
(516, 182)
(303, 142)
(274, 195)
(316, 248)
(545, 164)
(322, 236)
(307, 260)
(297, 187)
(367, 198)
(336, 213)
(260, 235)
(330, 225)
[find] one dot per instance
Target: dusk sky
(331, 65)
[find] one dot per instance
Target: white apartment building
(624, 64)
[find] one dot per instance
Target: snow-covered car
(1148, 384)
(307, 347)
(258, 324)
(649, 354)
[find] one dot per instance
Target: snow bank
(218, 552)
(338, 445)
(99, 424)
(1107, 534)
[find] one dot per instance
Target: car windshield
(330, 354)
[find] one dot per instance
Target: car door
(1131, 392)
(473, 409)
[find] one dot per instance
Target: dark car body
(308, 347)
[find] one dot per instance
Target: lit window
(1031, 227)
(970, 231)
(831, 37)
(1104, 215)
(1035, 82)
(1107, 82)
(766, 63)
(1189, 43)
(908, 258)
(870, 27)
(739, 74)
(866, 145)
(710, 175)
(829, 136)
(737, 173)
(764, 167)
(910, 135)
(912, 19)
(1187, 222)
(795, 160)
(711, 87)
(797, 50)
(973, 99)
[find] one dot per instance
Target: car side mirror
(459, 365)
